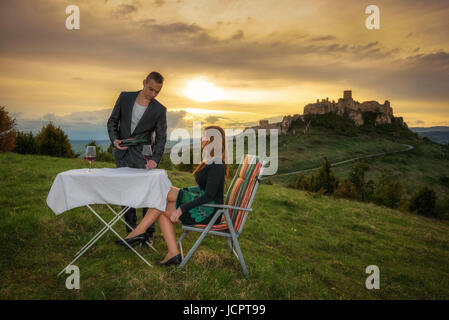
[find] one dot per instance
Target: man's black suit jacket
(154, 119)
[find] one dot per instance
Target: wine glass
(147, 152)
(91, 155)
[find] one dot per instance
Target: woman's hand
(174, 216)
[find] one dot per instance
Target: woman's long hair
(223, 150)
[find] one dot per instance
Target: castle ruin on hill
(345, 106)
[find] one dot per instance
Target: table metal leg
(101, 232)
(86, 247)
(115, 232)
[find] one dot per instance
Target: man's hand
(151, 164)
(117, 145)
(174, 216)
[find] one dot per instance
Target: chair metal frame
(231, 234)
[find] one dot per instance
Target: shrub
(340, 125)
(26, 143)
(186, 167)
(52, 141)
(423, 202)
(346, 189)
(443, 208)
(165, 162)
(291, 185)
(388, 191)
(324, 179)
(363, 189)
(7, 132)
(444, 181)
(302, 183)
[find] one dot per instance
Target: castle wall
(345, 106)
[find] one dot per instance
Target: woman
(185, 205)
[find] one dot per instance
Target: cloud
(420, 77)
(159, 3)
(238, 35)
(212, 119)
(141, 37)
(124, 10)
(90, 124)
(323, 38)
(177, 119)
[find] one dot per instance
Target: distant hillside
(329, 135)
(79, 146)
(439, 134)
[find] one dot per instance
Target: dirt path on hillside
(408, 148)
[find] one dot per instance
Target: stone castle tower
(353, 109)
(347, 95)
(345, 106)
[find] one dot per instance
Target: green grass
(307, 151)
(296, 245)
(425, 164)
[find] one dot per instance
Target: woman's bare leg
(169, 233)
(152, 214)
(172, 194)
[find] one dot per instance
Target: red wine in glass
(147, 152)
(91, 155)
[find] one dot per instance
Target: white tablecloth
(136, 188)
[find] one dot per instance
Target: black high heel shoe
(141, 238)
(172, 261)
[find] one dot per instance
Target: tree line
(387, 190)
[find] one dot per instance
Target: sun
(202, 90)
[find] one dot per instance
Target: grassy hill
(338, 140)
(297, 246)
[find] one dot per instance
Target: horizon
(229, 63)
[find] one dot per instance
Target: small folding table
(127, 187)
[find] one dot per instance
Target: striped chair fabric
(239, 192)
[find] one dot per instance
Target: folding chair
(235, 210)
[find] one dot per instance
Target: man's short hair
(156, 76)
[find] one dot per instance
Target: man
(139, 115)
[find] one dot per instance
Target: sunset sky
(228, 62)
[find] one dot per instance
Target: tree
(26, 143)
(363, 189)
(7, 132)
(423, 202)
(302, 183)
(324, 179)
(388, 191)
(52, 141)
(347, 190)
